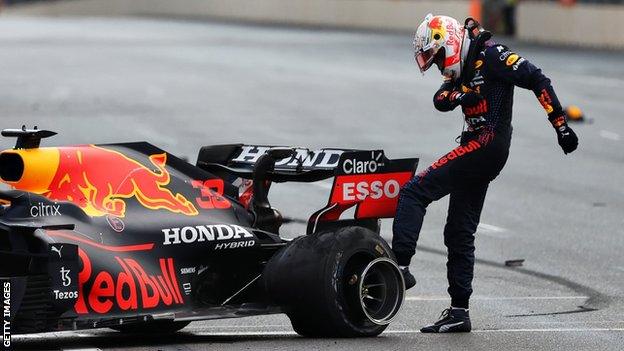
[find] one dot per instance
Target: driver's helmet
(441, 40)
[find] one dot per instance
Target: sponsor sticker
(187, 288)
(65, 295)
(65, 278)
(63, 270)
(187, 270)
(363, 165)
(376, 194)
(45, 210)
(370, 181)
(205, 233)
(477, 110)
(376, 189)
(303, 158)
(518, 63)
(115, 223)
(546, 101)
(512, 59)
(362, 162)
(58, 249)
(129, 287)
(475, 121)
(235, 245)
(455, 153)
(505, 55)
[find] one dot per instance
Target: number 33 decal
(211, 194)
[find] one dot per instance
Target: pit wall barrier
(585, 25)
(365, 14)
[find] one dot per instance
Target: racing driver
(479, 75)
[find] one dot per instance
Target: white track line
(404, 331)
(415, 331)
(225, 326)
(549, 330)
(565, 322)
(521, 330)
(288, 326)
(496, 298)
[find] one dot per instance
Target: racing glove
(566, 137)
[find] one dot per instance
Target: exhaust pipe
(29, 169)
(11, 167)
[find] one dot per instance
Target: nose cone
(29, 169)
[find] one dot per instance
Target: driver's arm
(503, 64)
(445, 99)
(508, 66)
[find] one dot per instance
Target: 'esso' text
(375, 190)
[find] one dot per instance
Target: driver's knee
(414, 191)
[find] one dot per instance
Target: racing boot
(408, 278)
(452, 320)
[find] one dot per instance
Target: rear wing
(304, 165)
(366, 179)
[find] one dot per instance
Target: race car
(130, 237)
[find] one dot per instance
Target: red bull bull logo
(436, 23)
(447, 29)
(100, 180)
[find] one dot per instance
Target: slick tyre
(341, 283)
(153, 327)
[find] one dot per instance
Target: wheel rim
(381, 290)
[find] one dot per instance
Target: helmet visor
(425, 55)
(424, 59)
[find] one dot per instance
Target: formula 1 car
(130, 237)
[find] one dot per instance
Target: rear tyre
(337, 284)
(152, 327)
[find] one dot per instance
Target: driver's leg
(465, 205)
(428, 186)
(464, 211)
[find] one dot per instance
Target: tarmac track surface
(181, 85)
